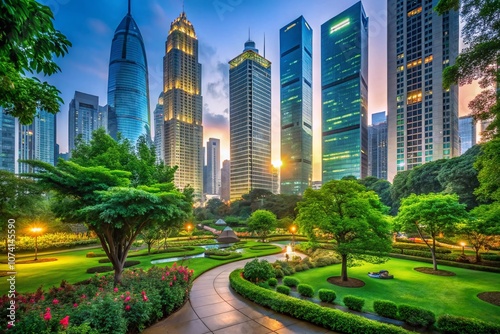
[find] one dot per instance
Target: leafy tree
(381, 187)
(262, 222)
(151, 235)
(480, 59)
(352, 215)
(28, 43)
(488, 165)
(431, 214)
(483, 229)
(282, 205)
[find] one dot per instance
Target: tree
(483, 228)
(431, 214)
(480, 59)
(151, 235)
(352, 215)
(262, 222)
(28, 43)
(381, 187)
(488, 166)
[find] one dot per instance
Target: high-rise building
(128, 89)
(37, 141)
(159, 119)
(182, 106)
(296, 106)
(213, 166)
(225, 180)
(422, 115)
(377, 146)
(467, 131)
(84, 117)
(7, 141)
(344, 94)
(250, 122)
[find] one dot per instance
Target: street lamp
(463, 246)
(188, 227)
(293, 229)
(36, 231)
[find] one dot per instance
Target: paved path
(214, 307)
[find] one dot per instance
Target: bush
(272, 282)
(326, 295)
(354, 303)
(283, 289)
(305, 290)
(291, 281)
(490, 257)
(449, 324)
(256, 271)
(278, 273)
(418, 247)
(105, 269)
(416, 316)
(92, 254)
(386, 308)
(449, 263)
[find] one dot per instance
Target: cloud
(218, 85)
(98, 27)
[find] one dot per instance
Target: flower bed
(53, 241)
(95, 306)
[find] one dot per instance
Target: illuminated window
(414, 97)
(414, 63)
(428, 59)
(340, 25)
(415, 11)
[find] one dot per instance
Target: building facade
(213, 166)
(128, 88)
(422, 116)
(159, 138)
(250, 122)
(225, 180)
(344, 94)
(377, 146)
(85, 116)
(296, 106)
(7, 142)
(182, 106)
(467, 131)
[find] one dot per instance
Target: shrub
(298, 268)
(278, 273)
(386, 308)
(326, 295)
(491, 257)
(256, 270)
(99, 269)
(305, 290)
(272, 282)
(291, 281)
(449, 324)
(416, 316)
(283, 289)
(354, 303)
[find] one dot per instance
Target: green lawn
(454, 295)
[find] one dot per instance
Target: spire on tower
(128, 7)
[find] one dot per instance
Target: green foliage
(381, 187)
(283, 289)
(449, 324)
(488, 165)
(420, 247)
(104, 269)
(53, 241)
(291, 281)
(262, 222)
(354, 303)
(326, 295)
(256, 270)
(305, 290)
(272, 282)
(386, 308)
(416, 316)
(108, 316)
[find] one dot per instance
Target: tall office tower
(483, 125)
(250, 122)
(377, 146)
(182, 105)
(7, 142)
(37, 141)
(159, 133)
(344, 94)
(102, 117)
(84, 112)
(213, 166)
(128, 89)
(422, 116)
(225, 180)
(296, 106)
(467, 132)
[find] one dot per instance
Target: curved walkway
(213, 307)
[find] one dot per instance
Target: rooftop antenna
(249, 33)
(183, 6)
(128, 7)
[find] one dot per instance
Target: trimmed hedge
(490, 257)
(305, 290)
(272, 282)
(326, 295)
(104, 269)
(326, 317)
(418, 247)
(354, 303)
(291, 281)
(256, 270)
(449, 324)
(416, 316)
(386, 308)
(447, 263)
(262, 247)
(283, 289)
(224, 257)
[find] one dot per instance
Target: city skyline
(88, 58)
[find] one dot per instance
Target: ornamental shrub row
(104, 269)
(283, 289)
(305, 290)
(291, 281)
(329, 318)
(326, 295)
(416, 316)
(449, 324)
(449, 263)
(386, 308)
(354, 303)
(421, 247)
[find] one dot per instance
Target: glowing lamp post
(293, 229)
(36, 231)
(463, 247)
(189, 227)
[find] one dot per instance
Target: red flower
(47, 316)
(115, 289)
(9, 326)
(145, 298)
(55, 301)
(127, 308)
(65, 322)
(75, 305)
(127, 299)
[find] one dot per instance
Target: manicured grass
(455, 295)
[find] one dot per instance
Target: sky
(222, 27)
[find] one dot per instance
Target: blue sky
(222, 28)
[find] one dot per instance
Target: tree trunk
(478, 257)
(119, 272)
(149, 248)
(344, 268)
(433, 252)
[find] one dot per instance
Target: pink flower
(55, 301)
(64, 322)
(47, 316)
(9, 326)
(75, 305)
(83, 296)
(170, 283)
(163, 278)
(122, 296)
(143, 292)
(145, 298)
(127, 308)
(115, 289)
(127, 299)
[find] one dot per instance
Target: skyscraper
(344, 94)
(422, 116)
(250, 122)
(377, 146)
(467, 131)
(213, 166)
(225, 180)
(128, 89)
(7, 142)
(296, 106)
(182, 105)
(159, 119)
(85, 116)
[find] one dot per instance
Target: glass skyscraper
(422, 115)
(250, 122)
(213, 166)
(128, 89)
(377, 146)
(7, 142)
(344, 94)
(296, 106)
(467, 131)
(182, 106)
(159, 134)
